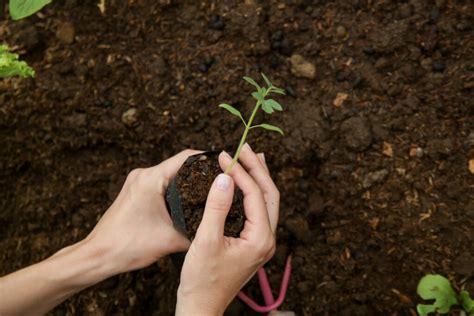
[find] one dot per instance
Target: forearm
(39, 288)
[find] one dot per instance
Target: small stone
(471, 166)
(299, 227)
(304, 287)
(216, 23)
(334, 239)
(419, 152)
(341, 31)
(438, 66)
(129, 117)
(415, 151)
(302, 68)
(368, 50)
(374, 177)
(381, 63)
(357, 134)
(427, 64)
(66, 32)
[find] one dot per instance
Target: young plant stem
(248, 126)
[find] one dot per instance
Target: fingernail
(223, 182)
(262, 156)
(226, 154)
(248, 146)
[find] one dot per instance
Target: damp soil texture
(375, 169)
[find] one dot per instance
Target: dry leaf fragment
(374, 223)
(340, 98)
(387, 149)
(471, 166)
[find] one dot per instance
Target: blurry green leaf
(20, 9)
(268, 82)
(10, 65)
(436, 287)
(232, 110)
(257, 96)
(252, 82)
(278, 90)
(425, 310)
(271, 128)
(267, 108)
(274, 104)
(467, 302)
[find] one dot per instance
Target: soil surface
(375, 168)
(193, 182)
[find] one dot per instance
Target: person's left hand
(137, 230)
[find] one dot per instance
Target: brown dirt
(194, 181)
(376, 191)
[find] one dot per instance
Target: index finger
(254, 203)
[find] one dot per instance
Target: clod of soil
(193, 182)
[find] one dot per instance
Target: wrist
(190, 305)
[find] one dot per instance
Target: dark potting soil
(193, 181)
(373, 170)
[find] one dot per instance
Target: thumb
(217, 207)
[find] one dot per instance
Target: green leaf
(252, 82)
(278, 90)
(20, 9)
(268, 82)
(274, 104)
(232, 110)
(267, 108)
(425, 310)
(11, 66)
(467, 302)
(438, 288)
(257, 95)
(271, 128)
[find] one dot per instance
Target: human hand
(217, 267)
(137, 230)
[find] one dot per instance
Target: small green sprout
(267, 105)
(11, 66)
(20, 9)
(437, 287)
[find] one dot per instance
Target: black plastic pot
(175, 205)
(173, 198)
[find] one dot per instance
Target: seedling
(11, 66)
(267, 105)
(437, 287)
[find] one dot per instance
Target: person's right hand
(217, 267)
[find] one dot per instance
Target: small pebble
(130, 117)
(341, 31)
(302, 68)
(216, 23)
(438, 66)
(65, 33)
(368, 50)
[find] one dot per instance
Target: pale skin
(136, 231)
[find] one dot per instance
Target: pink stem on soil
(266, 287)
